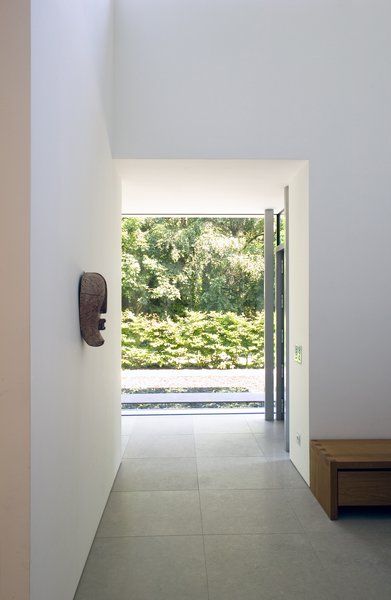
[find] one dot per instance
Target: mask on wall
(92, 302)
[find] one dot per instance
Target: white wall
(299, 319)
(75, 224)
(14, 299)
(204, 186)
(282, 79)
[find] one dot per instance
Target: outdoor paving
(251, 379)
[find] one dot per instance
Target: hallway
(210, 508)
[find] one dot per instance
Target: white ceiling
(204, 186)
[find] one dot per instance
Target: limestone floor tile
(124, 443)
(272, 429)
(151, 513)
(355, 520)
(127, 425)
(166, 424)
(226, 444)
(278, 457)
(359, 563)
(239, 473)
(308, 510)
(145, 445)
(149, 568)
(281, 473)
(247, 511)
(229, 472)
(270, 447)
(220, 424)
(267, 567)
(141, 474)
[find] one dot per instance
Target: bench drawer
(364, 488)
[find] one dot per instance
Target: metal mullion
(286, 316)
(280, 334)
(269, 313)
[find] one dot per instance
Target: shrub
(213, 340)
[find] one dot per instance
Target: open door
(286, 316)
(281, 307)
(280, 326)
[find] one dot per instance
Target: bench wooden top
(355, 453)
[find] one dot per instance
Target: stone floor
(210, 508)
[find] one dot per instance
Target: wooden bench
(350, 473)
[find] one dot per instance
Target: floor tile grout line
(194, 489)
(268, 459)
(196, 433)
(202, 529)
(95, 538)
(218, 489)
(286, 498)
(268, 456)
(323, 566)
(159, 457)
(149, 535)
(255, 439)
(230, 533)
(230, 456)
(144, 434)
(263, 432)
(142, 457)
(306, 533)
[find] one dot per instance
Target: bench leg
(324, 484)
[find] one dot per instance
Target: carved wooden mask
(92, 302)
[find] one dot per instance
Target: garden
(192, 293)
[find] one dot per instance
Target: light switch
(298, 357)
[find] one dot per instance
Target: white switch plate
(298, 357)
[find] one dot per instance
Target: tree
(172, 265)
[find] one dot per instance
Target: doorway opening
(193, 313)
(217, 188)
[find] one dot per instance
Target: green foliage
(174, 265)
(192, 292)
(215, 340)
